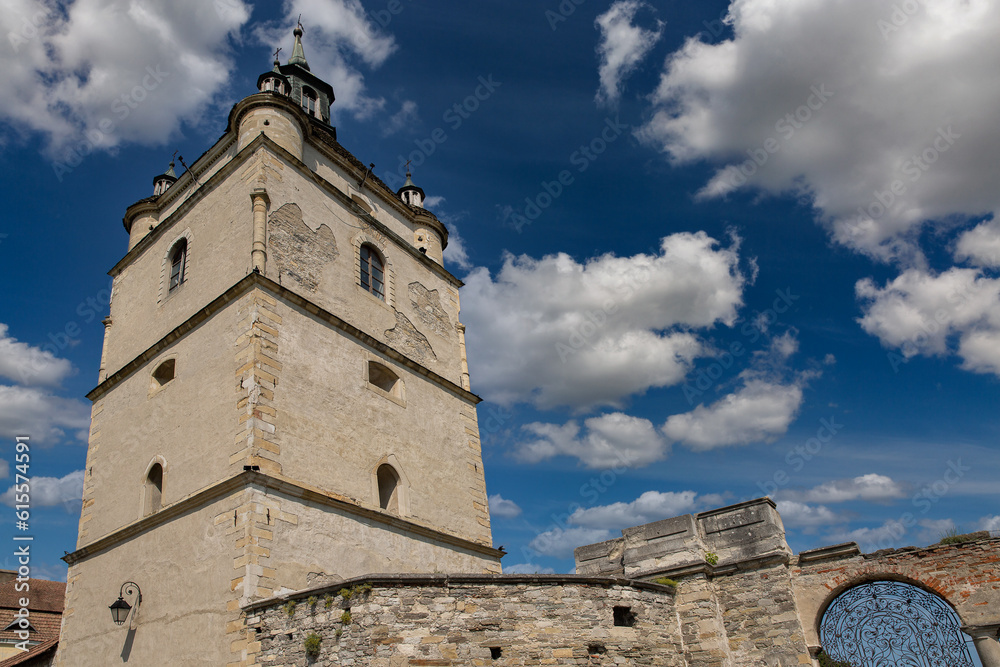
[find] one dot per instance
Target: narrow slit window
(388, 488)
(154, 490)
(372, 272)
(178, 262)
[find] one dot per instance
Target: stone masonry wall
(500, 620)
(760, 617)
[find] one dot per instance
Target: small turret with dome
(410, 193)
(274, 81)
(164, 180)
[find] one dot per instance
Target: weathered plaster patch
(427, 305)
(300, 253)
(405, 338)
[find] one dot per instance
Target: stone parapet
(472, 620)
(713, 541)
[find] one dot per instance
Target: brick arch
(965, 576)
(870, 575)
(878, 574)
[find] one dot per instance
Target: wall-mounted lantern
(120, 608)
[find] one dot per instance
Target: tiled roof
(43, 595)
(31, 655)
(45, 623)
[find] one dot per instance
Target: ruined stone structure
(730, 594)
(284, 454)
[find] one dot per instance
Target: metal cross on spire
(276, 52)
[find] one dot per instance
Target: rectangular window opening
(623, 616)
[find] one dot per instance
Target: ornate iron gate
(892, 624)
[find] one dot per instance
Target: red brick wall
(966, 575)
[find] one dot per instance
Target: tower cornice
(415, 215)
(249, 282)
(273, 483)
(158, 203)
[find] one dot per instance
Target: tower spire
(298, 53)
(166, 179)
(410, 192)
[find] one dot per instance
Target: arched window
(372, 271)
(388, 488)
(309, 102)
(178, 262)
(273, 84)
(153, 496)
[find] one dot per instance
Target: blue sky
(712, 252)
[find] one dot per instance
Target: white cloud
(980, 245)
(554, 331)
(838, 108)
(990, 523)
(40, 415)
(53, 572)
(613, 440)
(886, 536)
(52, 491)
(560, 542)
(934, 530)
(650, 506)
(29, 365)
(597, 524)
(336, 32)
(870, 487)
(760, 411)
(433, 202)
(103, 72)
(800, 515)
(500, 506)
(455, 253)
(622, 47)
(922, 313)
(4, 469)
(528, 568)
(407, 115)
(834, 103)
(891, 533)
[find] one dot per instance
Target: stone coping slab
(445, 580)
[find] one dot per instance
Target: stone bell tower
(284, 397)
